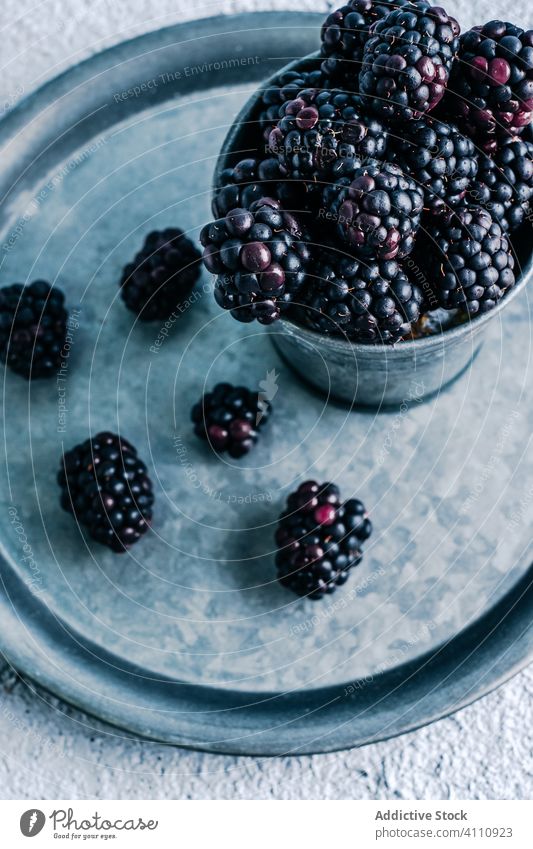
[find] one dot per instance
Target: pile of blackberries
(404, 160)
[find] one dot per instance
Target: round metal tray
(188, 638)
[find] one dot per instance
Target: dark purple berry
(377, 213)
(162, 276)
(491, 86)
(260, 270)
(319, 539)
(344, 33)
(407, 61)
(468, 260)
(105, 486)
(322, 135)
(504, 185)
(33, 328)
(230, 418)
(364, 301)
(440, 159)
(284, 88)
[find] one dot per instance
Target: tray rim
(510, 613)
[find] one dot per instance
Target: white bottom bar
(268, 825)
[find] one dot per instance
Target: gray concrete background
(48, 750)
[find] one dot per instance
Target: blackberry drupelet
(469, 261)
(505, 183)
(260, 260)
(407, 61)
(162, 275)
(230, 418)
(344, 34)
(319, 539)
(491, 86)
(321, 135)
(285, 88)
(105, 486)
(368, 302)
(440, 159)
(377, 213)
(33, 328)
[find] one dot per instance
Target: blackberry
(369, 302)
(241, 185)
(230, 418)
(469, 261)
(162, 275)
(322, 135)
(285, 88)
(319, 539)
(105, 486)
(260, 259)
(33, 328)
(491, 86)
(251, 180)
(344, 34)
(407, 61)
(440, 159)
(505, 183)
(377, 213)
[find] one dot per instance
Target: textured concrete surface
(48, 750)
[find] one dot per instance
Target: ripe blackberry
(241, 185)
(377, 213)
(162, 275)
(505, 183)
(285, 88)
(230, 418)
(469, 261)
(491, 86)
(33, 328)
(322, 135)
(105, 486)
(251, 180)
(407, 61)
(319, 539)
(440, 159)
(369, 302)
(344, 34)
(260, 259)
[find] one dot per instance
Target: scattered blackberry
(321, 135)
(343, 35)
(491, 86)
(230, 418)
(162, 275)
(367, 302)
(407, 61)
(319, 539)
(105, 486)
(440, 159)
(505, 183)
(377, 213)
(285, 88)
(469, 261)
(260, 259)
(33, 328)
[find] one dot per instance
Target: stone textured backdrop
(48, 750)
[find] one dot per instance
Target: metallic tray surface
(188, 638)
